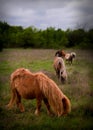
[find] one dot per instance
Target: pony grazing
(60, 69)
(60, 53)
(25, 84)
(70, 57)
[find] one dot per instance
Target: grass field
(79, 88)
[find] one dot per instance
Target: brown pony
(60, 69)
(37, 85)
(70, 57)
(60, 53)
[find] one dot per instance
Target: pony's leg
(37, 111)
(47, 105)
(71, 61)
(18, 103)
(12, 100)
(58, 73)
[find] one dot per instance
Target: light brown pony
(37, 85)
(70, 57)
(60, 69)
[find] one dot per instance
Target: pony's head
(62, 77)
(63, 74)
(73, 54)
(63, 54)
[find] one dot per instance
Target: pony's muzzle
(63, 80)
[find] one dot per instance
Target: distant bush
(16, 36)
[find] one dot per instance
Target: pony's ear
(59, 65)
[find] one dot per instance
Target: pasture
(79, 89)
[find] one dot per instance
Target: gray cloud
(45, 13)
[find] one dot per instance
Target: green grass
(79, 88)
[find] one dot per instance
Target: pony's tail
(13, 96)
(66, 105)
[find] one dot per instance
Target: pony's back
(25, 83)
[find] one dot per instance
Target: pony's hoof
(37, 112)
(8, 106)
(22, 110)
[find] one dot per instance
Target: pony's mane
(52, 92)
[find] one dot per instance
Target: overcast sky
(62, 14)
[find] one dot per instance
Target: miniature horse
(67, 56)
(60, 69)
(70, 56)
(37, 85)
(60, 53)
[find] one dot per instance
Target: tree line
(31, 37)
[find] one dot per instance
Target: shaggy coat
(60, 69)
(37, 85)
(60, 53)
(70, 56)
